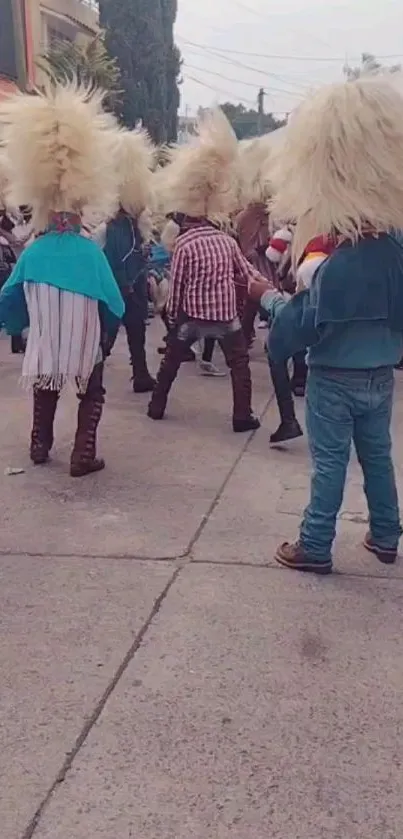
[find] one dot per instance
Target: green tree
(245, 122)
(90, 63)
(173, 63)
(139, 34)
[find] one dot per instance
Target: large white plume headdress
(339, 168)
(60, 147)
(255, 167)
(201, 178)
(135, 161)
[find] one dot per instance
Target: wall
(76, 19)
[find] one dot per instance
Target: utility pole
(260, 112)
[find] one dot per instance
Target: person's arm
(270, 301)
(177, 283)
(244, 273)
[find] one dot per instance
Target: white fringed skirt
(64, 338)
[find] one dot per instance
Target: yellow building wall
(77, 18)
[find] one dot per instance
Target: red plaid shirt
(207, 266)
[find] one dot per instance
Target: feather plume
(135, 160)
(202, 177)
(339, 167)
(255, 163)
(169, 235)
(4, 181)
(60, 145)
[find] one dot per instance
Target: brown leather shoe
(387, 556)
(294, 557)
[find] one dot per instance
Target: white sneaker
(207, 368)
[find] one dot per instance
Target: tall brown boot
(83, 457)
(167, 374)
(45, 404)
(236, 355)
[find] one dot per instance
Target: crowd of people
(305, 237)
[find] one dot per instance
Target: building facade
(29, 27)
(59, 20)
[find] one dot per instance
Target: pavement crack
(195, 538)
(74, 555)
(92, 720)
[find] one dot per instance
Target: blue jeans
(344, 406)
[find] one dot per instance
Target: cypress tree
(139, 33)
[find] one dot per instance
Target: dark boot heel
(45, 404)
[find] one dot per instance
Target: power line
(283, 57)
(288, 80)
(269, 17)
(257, 70)
(219, 75)
(220, 90)
(240, 81)
(250, 102)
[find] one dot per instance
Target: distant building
(60, 20)
(12, 45)
(29, 27)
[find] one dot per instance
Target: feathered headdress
(255, 166)
(135, 160)
(4, 180)
(60, 148)
(201, 178)
(339, 169)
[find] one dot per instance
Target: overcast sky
(280, 33)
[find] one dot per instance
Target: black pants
(282, 389)
(283, 385)
(209, 343)
(135, 325)
(300, 369)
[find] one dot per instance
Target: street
(162, 677)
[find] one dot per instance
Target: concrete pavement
(161, 678)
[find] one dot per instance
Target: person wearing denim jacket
(352, 321)
(339, 174)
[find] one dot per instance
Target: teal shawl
(69, 262)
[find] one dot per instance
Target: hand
(257, 288)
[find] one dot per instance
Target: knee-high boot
(236, 355)
(45, 404)
(83, 458)
(167, 374)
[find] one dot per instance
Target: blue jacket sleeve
(293, 328)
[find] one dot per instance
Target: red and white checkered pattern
(207, 266)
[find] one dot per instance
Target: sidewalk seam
(195, 538)
(93, 719)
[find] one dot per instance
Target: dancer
(252, 223)
(60, 148)
(285, 387)
(10, 246)
(202, 352)
(351, 318)
(127, 245)
(207, 265)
